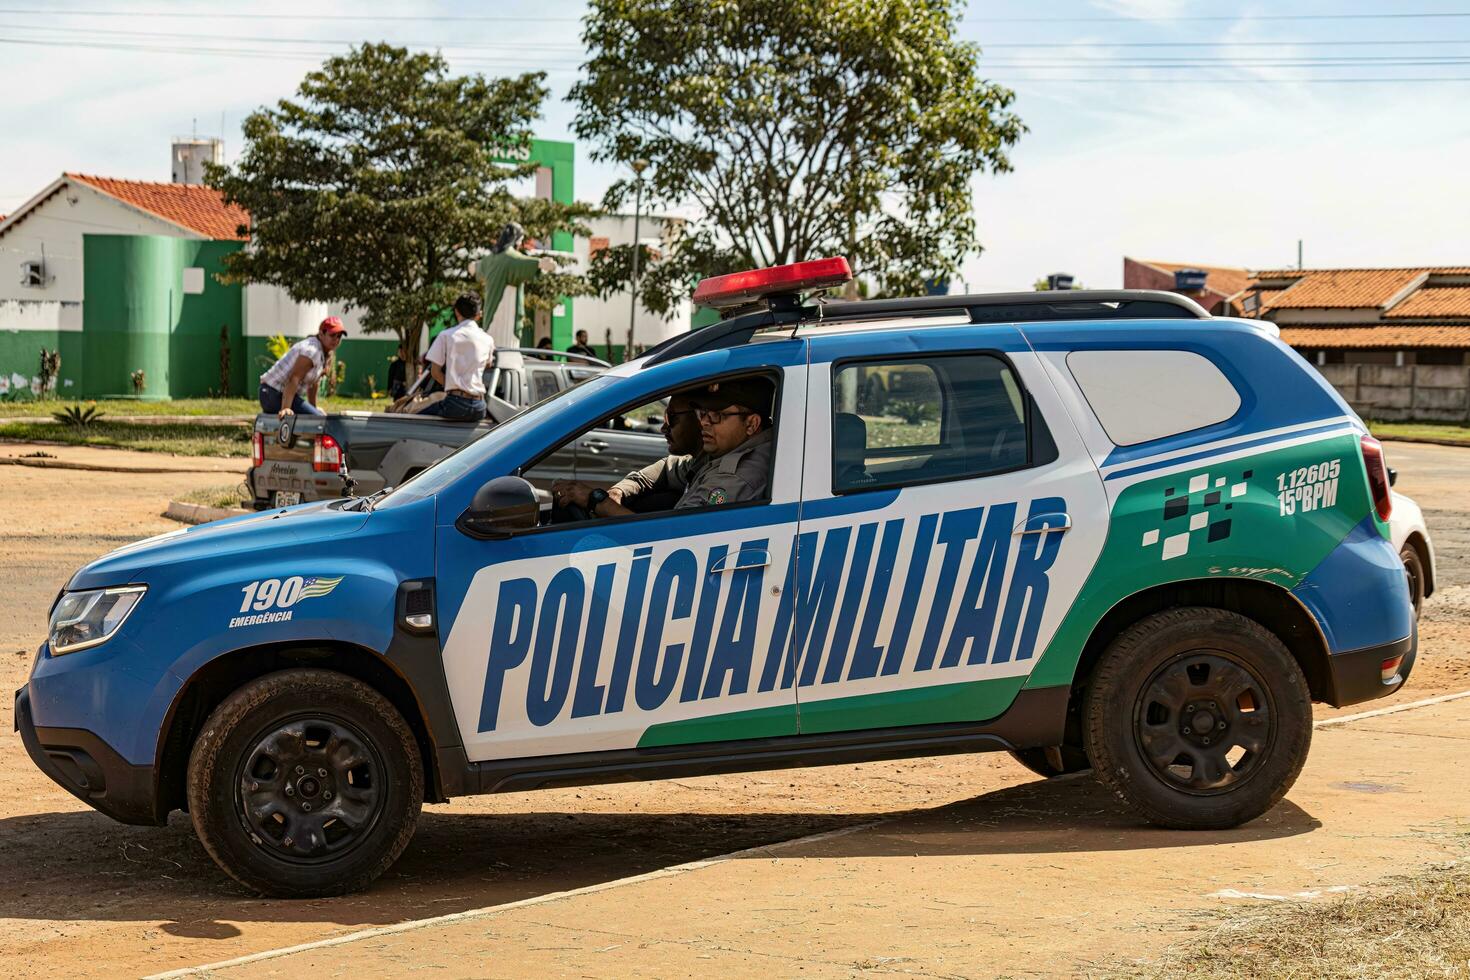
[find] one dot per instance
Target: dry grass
(225, 495)
(1414, 926)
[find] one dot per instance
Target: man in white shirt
(457, 359)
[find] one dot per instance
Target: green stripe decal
(1262, 543)
(969, 701)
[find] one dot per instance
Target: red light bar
(741, 288)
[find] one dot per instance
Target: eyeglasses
(708, 416)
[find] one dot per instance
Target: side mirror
(501, 507)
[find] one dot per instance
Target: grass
(181, 439)
(1420, 430)
(1413, 926)
(243, 407)
(224, 495)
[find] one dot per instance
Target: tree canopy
(798, 129)
(375, 186)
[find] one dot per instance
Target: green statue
(507, 268)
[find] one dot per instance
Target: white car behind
(1411, 538)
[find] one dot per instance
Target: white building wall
(597, 316)
(54, 229)
(270, 311)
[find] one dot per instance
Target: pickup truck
(350, 453)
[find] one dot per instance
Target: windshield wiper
(366, 503)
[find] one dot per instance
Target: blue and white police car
(1091, 528)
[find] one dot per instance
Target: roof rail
(1029, 307)
(542, 352)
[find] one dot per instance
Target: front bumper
(1357, 676)
(90, 769)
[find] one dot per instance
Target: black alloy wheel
(305, 783)
(1203, 722)
(1198, 718)
(311, 788)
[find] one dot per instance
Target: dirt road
(90, 897)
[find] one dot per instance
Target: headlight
(85, 619)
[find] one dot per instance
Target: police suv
(1091, 528)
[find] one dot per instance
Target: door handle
(739, 561)
(1041, 523)
(594, 445)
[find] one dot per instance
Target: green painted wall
(20, 353)
(135, 315)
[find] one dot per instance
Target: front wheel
(1199, 719)
(305, 783)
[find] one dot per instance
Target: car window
(544, 384)
(923, 420)
(506, 386)
(1142, 395)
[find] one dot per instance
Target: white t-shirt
(463, 357)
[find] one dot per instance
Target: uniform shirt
(670, 473)
(278, 373)
(464, 357)
(743, 473)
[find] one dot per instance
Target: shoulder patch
(717, 496)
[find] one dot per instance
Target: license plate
(286, 498)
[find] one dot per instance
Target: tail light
(326, 455)
(1389, 669)
(1377, 476)
(257, 449)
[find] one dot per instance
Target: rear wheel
(1198, 718)
(1053, 760)
(1414, 571)
(305, 783)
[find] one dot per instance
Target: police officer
(720, 448)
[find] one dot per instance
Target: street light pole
(638, 167)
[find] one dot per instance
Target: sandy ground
(86, 896)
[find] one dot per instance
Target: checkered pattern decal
(1194, 511)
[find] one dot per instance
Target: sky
(1178, 130)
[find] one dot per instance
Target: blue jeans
(457, 409)
(270, 402)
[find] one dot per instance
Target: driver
(721, 447)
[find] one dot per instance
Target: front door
(623, 633)
(950, 515)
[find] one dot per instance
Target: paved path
(114, 460)
(1046, 878)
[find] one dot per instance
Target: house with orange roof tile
(122, 276)
(1396, 316)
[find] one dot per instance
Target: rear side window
(543, 384)
(923, 420)
(1142, 395)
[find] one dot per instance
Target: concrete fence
(1415, 392)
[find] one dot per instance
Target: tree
(798, 128)
(376, 185)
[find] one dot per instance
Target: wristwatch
(595, 499)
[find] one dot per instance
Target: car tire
(305, 783)
(1414, 571)
(1053, 760)
(1166, 680)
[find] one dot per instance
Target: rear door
(950, 515)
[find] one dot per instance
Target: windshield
(438, 476)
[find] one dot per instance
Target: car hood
(287, 530)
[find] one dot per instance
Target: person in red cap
(299, 370)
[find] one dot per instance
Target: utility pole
(1298, 253)
(638, 167)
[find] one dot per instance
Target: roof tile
(1224, 280)
(199, 209)
(1397, 337)
(1437, 301)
